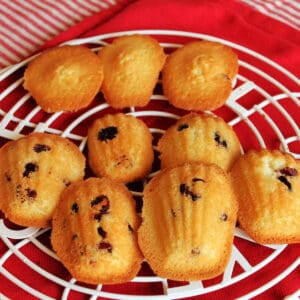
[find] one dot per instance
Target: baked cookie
(94, 232)
(64, 78)
(267, 185)
(33, 172)
(189, 214)
(120, 147)
(199, 75)
(196, 137)
(132, 64)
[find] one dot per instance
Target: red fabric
(231, 20)
(87, 24)
(226, 19)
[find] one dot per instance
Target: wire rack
(263, 112)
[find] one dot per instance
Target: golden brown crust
(131, 68)
(33, 172)
(267, 185)
(189, 215)
(95, 232)
(64, 78)
(199, 75)
(120, 147)
(196, 137)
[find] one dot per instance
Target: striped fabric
(27, 24)
(286, 11)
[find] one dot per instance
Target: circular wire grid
(263, 112)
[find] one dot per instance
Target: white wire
(192, 288)
(271, 283)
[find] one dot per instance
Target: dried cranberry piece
(107, 133)
(75, 207)
(105, 208)
(100, 205)
(103, 211)
(182, 127)
(284, 180)
(98, 217)
(219, 141)
(41, 148)
(289, 171)
(105, 245)
(196, 179)
(195, 251)
(30, 168)
(130, 228)
(102, 232)
(194, 196)
(98, 200)
(31, 193)
(185, 190)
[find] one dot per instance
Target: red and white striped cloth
(26, 24)
(286, 11)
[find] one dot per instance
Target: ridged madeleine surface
(34, 170)
(120, 147)
(196, 137)
(95, 232)
(189, 214)
(131, 68)
(267, 185)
